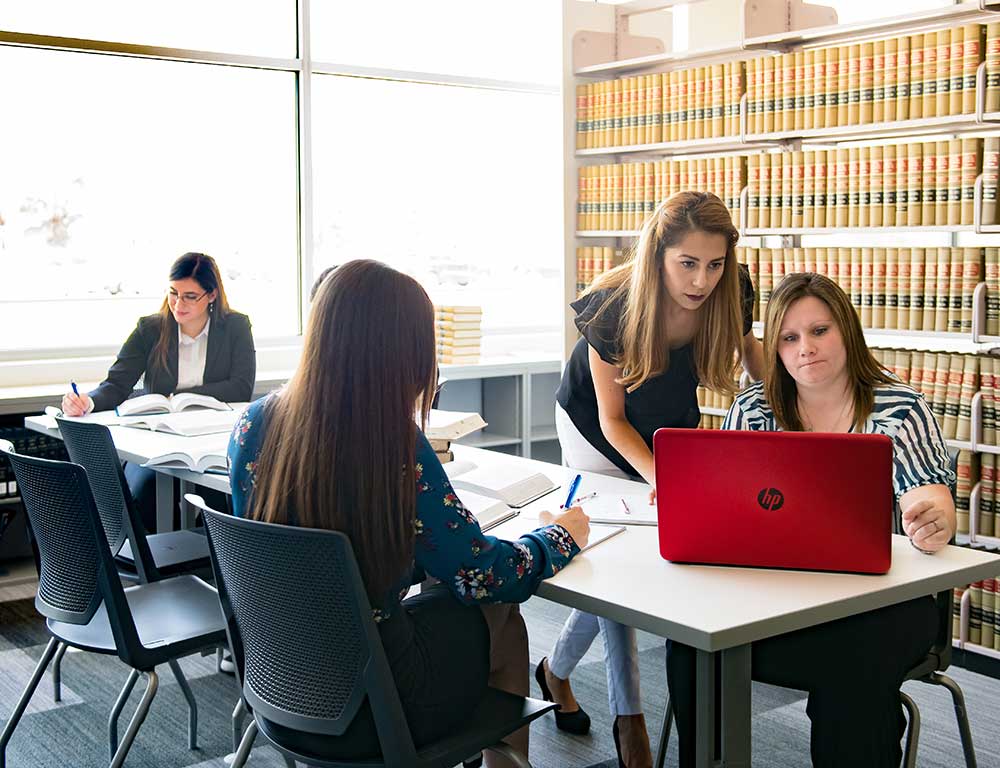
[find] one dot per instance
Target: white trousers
(621, 656)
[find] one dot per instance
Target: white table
(717, 610)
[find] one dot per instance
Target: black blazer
(230, 363)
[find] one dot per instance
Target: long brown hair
(205, 272)
(642, 332)
(862, 368)
(339, 452)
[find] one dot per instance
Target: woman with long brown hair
(195, 343)
(341, 447)
(820, 377)
(676, 314)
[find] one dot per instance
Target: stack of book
(984, 612)
(592, 261)
(459, 334)
(445, 426)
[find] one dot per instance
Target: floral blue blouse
(450, 545)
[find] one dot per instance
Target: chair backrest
(77, 571)
(301, 629)
(91, 446)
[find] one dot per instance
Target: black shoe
(577, 722)
(618, 746)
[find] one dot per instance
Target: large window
(434, 144)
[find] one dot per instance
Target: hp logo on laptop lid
(770, 499)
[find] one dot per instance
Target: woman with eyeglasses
(195, 343)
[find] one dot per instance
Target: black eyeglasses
(185, 298)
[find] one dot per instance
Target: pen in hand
(573, 487)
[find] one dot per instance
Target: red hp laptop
(802, 500)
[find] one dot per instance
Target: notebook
(620, 509)
(801, 500)
(512, 484)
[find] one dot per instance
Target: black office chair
(80, 594)
(308, 653)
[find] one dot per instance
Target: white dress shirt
(191, 355)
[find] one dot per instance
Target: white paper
(608, 508)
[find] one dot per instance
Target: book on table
(169, 404)
(511, 484)
(452, 425)
(187, 423)
(619, 508)
(205, 453)
(487, 511)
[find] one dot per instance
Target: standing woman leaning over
(676, 314)
(195, 343)
(340, 448)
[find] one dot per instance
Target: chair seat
(498, 714)
(177, 611)
(172, 552)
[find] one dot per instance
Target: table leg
(164, 503)
(735, 707)
(187, 510)
(705, 709)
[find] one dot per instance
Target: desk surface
(625, 578)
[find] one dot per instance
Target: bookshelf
(780, 59)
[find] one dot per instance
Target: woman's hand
(573, 520)
(926, 523)
(652, 497)
(76, 405)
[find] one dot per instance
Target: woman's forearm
(629, 443)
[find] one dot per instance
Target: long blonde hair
(639, 282)
(862, 368)
(339, 452)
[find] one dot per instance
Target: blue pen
(572, 491)
(75, 390)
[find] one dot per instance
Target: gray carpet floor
(73, 733)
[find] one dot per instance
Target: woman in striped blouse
(821, 377)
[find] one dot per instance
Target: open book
(206, 453)
(512, 484)
(489, 512)
(171, 404)
(452, 425)
(188, 424)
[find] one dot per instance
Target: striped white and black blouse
(920, 456)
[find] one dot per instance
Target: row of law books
(948, 381)
(915, 289)
(459, 334)
(683, 105)
(914, 184)
(711, 421)
(592, 261)
(621, 196)
(984, 613)
(968, 467)
(911, 77)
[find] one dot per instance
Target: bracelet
(921, 551)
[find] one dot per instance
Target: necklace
(808, 423)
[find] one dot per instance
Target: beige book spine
(753, 191)
(853, 84)
(702, 110)
(755, 95)
(864, 186)
(798, 197)
(843, 84)
(808, 188)
(619, 107)
(673, 97)
(853, 186)
(831, 78)
(656, 109)
(778, 262)
(891, 312)
(889, 185)
(807, 75)
(798, 260)
(992, 278)
(779, 90)
(970, 385)
(867, 299)
(916, 370)
(930, 289)
(973, 48)
(819, 88)
(952, 396)
(878, 287)
(988, 387)
(891, 76)
(843, 262)
(902, 193)
(799, 90)
(939, 387)
(738, 87)
(765, 276)
(788, 90)
(617, 202)
(903, 290)
(955, 291)
(723, 174)
(588, 115)
(943, 78)
(878, 81)
(928, 182)
(768, 98)
(821, 170)
(581, 116)
(972, 275)
(843, 186)
(637, 109)
(972, 150)
(941, 183)
(963, 490)
(987, 505)
(615, 99)
(648, 196)
(955, 181)
(956, 65)
(787, 194)
(930, 74)
(582, 205)
(991, 177)
(753, 267)
(867, 64)
(942, 304)
(643, 109)
(914, 183)
(603, 197)
(598, 114)
(992, 56)
(776, 198)
(857, 272)
(875, 192)
(917, 287)
(905, 66)
(809, 260)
